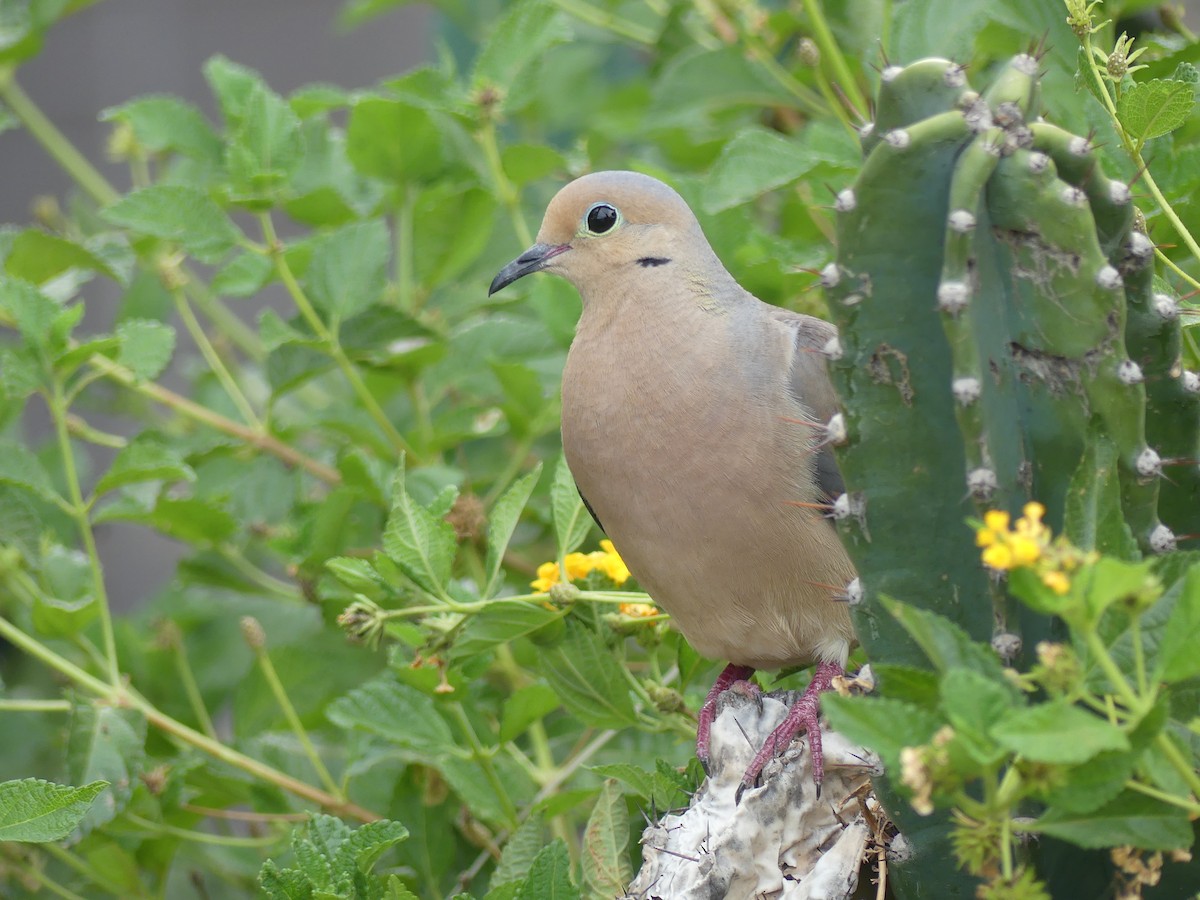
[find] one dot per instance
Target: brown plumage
(691, 421)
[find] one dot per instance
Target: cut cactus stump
(781, 841)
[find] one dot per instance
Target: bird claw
(730, 676)
(804, 716)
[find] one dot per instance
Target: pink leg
(805, 715)
(728, 677)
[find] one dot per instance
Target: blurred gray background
(120, 49)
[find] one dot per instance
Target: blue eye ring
(601, 218)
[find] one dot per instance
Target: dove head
(608, 225)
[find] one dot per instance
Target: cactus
(999, 321)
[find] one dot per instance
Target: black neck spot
(647, 261)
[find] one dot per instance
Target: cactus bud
(1118, 192)
(897, 138)
(982, 483)
(845, 201)
(830, 276)
(1007, 645)
(1129, 372)
(1148, 464)
(966, 390)
(961, 220)
(1162, 539)
(1166, 307)
(835, 430)
(953, 296)
(1108, 278)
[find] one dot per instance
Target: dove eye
(601, 218)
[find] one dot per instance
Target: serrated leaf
(243, 276)
(1178, 658)
(20, 468)
(348, 270)
(549, 876)
(266, 146)
(500, 622)
(519, 852)
(502, 521)
(756, 161)
(973, 703)
(232, 85)
(33, 312)
(1092, 517)
(37, 811)
(421, 543)
(1153, 108)
(67, 602)
(605, 867)
(145, 458)
(105, 743)
(37, 256)
(178, 213)
(525, 32)
(1057, 732)
(945, 643)
(587, 677)
(394, 711)
(162, 123)
(881, 724)
(393, 140)
(571, 519)
(1129, 819)
(523, 707)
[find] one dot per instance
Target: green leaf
(704, 81)
(37, 257)
(165, 124)
(105, 743)
(67, 603)
(946, 644)
(1154, 108)
(519, 852)
(266, 147)
(146, 458)
(37, 811)
(663, 788)
(549, 877)
(523, 707)
(395, 711)
(419, 541)
(526, 31)
(881, 724)
(1178, 658)
(19, 467)
(243, 276)
(393, 140)
(147, 347)
(178, 213)
(502, 521)
(756, 161)
(973, 703)
(33, 312)
(571, 519)
(232, 85)
(348, 270)
(1057, 732)
(1130, 818)
(583, 671)
(605, 867)
(500, 622)
(1092, 516)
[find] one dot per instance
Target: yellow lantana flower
(578, 565)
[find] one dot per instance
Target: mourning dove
(692, 420)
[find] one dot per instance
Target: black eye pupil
(601, 218)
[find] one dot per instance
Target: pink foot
(805, 715)
(730, 676)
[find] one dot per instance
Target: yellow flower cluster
(578, 565)
(1028, 543)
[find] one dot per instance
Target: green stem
(332, 346)
(606, 21)
(508, 194)
(269, 583)
(830, 51)
(121, 696)
(1177, 760)
(1139, 655)
(54, 142)
(405, 274)
(1183, 803)
(1174, 267)
(202, 837)
(58, 706)
(58, 411)
(258, 438)
(484, 759)
(215, 363)
(228, 323)
(1115, 677)
(289, 712)
(88, 871)
(183, 668)
(35, 874)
